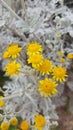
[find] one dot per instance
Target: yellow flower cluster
(47, 87)
(12, 51)
(34, 50)
(39, 123)
(62, 59)
(61, 54)
(37, 60)
(5, 125)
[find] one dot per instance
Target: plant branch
(12, 12)
(24, 9)
(16, 32)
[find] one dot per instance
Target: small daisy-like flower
(4, 126)
(45, 67)
(62, 60)
(70, 56)
(2, 103)
(60, 53)
(24, 125)
(47, 87)
(40, 121)
(13, 51)
(34, 47)
(59, 73)
(36, 60)
(13, 121)
(13, 68)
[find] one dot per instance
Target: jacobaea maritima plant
(37, 65)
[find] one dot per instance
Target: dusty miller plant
(47, 22)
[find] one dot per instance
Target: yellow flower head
(59, 73)
(24, 125)
(40, 121)
(13, 51)
(62, 60)
(34, 47)
(35, 59)
(13, 121)
(47, 87)
(13, 68)
(45, 67)
(70, 56)
(2, 103)
(60, 53)
(4, 126)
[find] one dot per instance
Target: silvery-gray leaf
(22, 25)
(71, 33)
(2, 23)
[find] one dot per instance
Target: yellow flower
(2, 103)
(62, 60)
(40, 121)
(24, 125)
(58, 35)
(13, 121)
(33, 47)
(13, 68)
(45, 67)
(70, 56)
(13, 51)
(47, 87)
(59, 73)
(35, 59)
(4, 126)
(60, 53)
